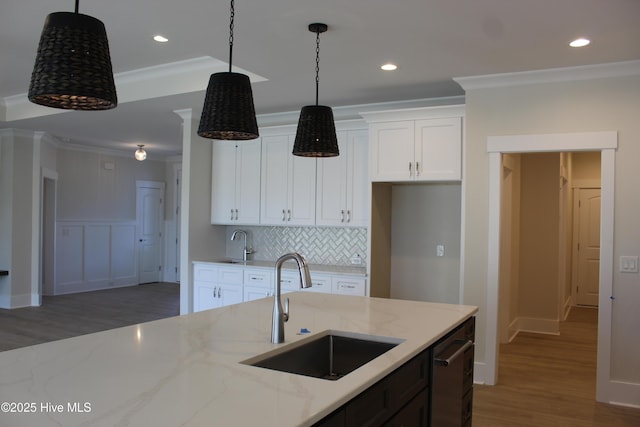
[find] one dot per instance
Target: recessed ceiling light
(160, 38)
(579, 42)
(389, 67)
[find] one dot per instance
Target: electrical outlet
(356, 260)
(628, 264)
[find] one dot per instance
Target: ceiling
(431, 41)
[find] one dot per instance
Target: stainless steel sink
(330, 356)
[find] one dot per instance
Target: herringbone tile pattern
(320, 245)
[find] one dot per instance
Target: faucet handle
(285, 315)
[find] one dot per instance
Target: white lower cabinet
(217, 285)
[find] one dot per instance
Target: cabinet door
(438, 149)
(205, 296)
(230, 294)
(331, 189)
(223, 182)
(274, 185)
(251, 293)
(358, 207)
(392, 151)
(301, 206)
(247, 178)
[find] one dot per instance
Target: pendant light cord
(77, 4)
(317, 64)
(233, 14)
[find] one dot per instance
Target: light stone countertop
(290, 265)
(185, 370)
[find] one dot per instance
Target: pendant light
(140, 154)
(73, 67)
(316, 133)
(228, 111)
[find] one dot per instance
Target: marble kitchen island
(186, 370)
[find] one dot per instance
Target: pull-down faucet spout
(245, 251)
(279, 315)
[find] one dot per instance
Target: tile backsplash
(319, 245)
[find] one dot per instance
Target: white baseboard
(624, 394)
(536, 325)
(479, 373)
(15, 301)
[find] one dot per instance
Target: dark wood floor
(546, 380)
(67, 316)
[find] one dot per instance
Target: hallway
(548, 380)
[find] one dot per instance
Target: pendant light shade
(228, 111)
(316, 133)
(73, 67)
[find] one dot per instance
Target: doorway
(606, 143)
(150, 219)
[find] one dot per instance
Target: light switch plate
(440, 250)
(628, 264)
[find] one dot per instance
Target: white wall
(569, 106)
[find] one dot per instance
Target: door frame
(52, 176)
(605, 142)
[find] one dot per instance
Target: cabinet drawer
(262, 278)
(320, 284)
(230, 276)
(348, 286)
(205, 273)
(372, 407)
(290, 281)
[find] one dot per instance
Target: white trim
(624, 394)
(186, 299)
(585, 183)
(414, 113)
(607, 143)
(582, 141)
(552, 75)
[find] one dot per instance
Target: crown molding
(173, 78)
(552, 75)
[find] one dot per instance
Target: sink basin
(330, 356)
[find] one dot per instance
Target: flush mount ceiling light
(228, 111)
(316, 133)
(73, 67)
(160, 38)
(389, 67)
(581, 42)
(140, 154)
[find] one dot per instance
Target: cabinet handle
(410, 169)
(289, 213)
(236, 214)
(231, 215)
(342, 215)
(284, 218)
(214, 292)
(417, 168)
(219, 292)
(454, 356)
(348, 215)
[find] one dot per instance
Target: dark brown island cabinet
(433, 389)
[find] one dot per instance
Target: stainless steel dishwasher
(452, 378)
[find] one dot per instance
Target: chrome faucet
(245, 251)
(279, 315)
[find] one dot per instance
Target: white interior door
(150, 216)
(587, 246)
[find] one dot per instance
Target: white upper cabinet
(416, 145)
(235, 182)
(288, 183)
(342, 183)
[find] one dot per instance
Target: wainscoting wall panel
(95, 255)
